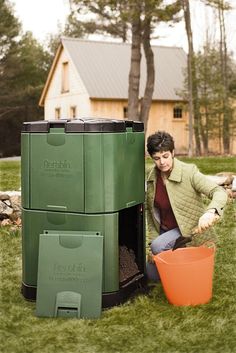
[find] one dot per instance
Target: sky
(43, 17)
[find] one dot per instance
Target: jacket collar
(152, 174)
(175, 175)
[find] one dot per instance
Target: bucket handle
(209, 244)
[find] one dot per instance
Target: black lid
(137, 126)
(95, 125)
(42, 125)
(82, 125)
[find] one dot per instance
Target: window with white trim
(125, 112)
(65, 77)
(73, 112)
(57, 113)
(177, 113)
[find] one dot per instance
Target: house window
(65, 77)
(73, 112)
(57, 113)
(125, 112)
(177, 113)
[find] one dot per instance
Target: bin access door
(70, 274)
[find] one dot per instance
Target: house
(90, 79)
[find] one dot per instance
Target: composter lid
(83, 125)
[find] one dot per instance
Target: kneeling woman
(174, 199)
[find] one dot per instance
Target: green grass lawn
(9, 175)
(147, 324)
(207, 165)
(213, 165)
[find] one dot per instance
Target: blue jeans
(165, 241)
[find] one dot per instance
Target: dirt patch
(128, 266)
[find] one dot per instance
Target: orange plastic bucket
(187, 274)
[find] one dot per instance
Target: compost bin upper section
(83, 165)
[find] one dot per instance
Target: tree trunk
(134, 74)
(147, 98)
(224, 75)
(193, 95)
(205, 126)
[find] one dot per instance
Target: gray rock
(5, 209)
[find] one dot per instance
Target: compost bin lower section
(131, 249)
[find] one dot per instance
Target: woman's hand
(207, 220)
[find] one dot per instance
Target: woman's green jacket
(185, 187)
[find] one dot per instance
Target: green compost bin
(83, 175)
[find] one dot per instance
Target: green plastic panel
(25, 172)
(36, 222)
(82, 172)
(56, 172)
(70, 274)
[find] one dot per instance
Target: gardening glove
(181, 242)
(207, 220)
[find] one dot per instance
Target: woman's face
(163, 160)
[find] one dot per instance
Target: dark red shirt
(162, 202)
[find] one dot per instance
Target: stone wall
(227, 180)
(10, 208)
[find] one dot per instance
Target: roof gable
(104, 68)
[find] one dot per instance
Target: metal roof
(104, 68)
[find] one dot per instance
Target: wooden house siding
(108, 108)
(77, 94)
(160, 118)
